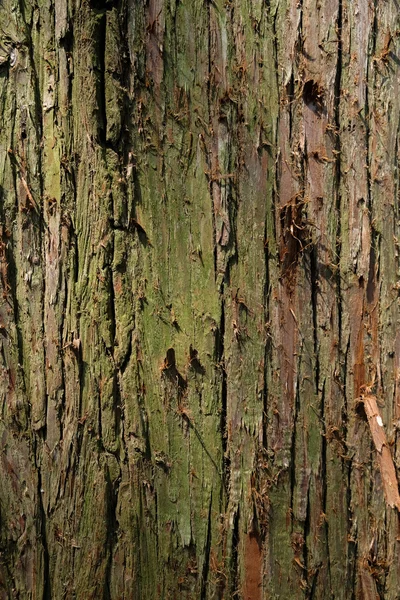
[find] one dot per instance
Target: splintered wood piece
(386, 465)
(375, 421)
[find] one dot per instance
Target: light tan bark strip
(386, 466)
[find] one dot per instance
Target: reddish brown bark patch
(253, 568)
(368, 585)
(155, 44)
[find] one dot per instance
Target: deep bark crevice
(206, 557)
(47, 595)
(234, 558)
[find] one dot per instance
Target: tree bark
(199, 273)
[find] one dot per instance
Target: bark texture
(199, 304)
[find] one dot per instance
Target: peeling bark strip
(386, 465)
(199, 272)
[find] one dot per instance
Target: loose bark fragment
(386, 465)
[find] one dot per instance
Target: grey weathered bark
(199, 272)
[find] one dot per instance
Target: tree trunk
(199, 264)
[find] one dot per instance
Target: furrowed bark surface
(199, 308)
